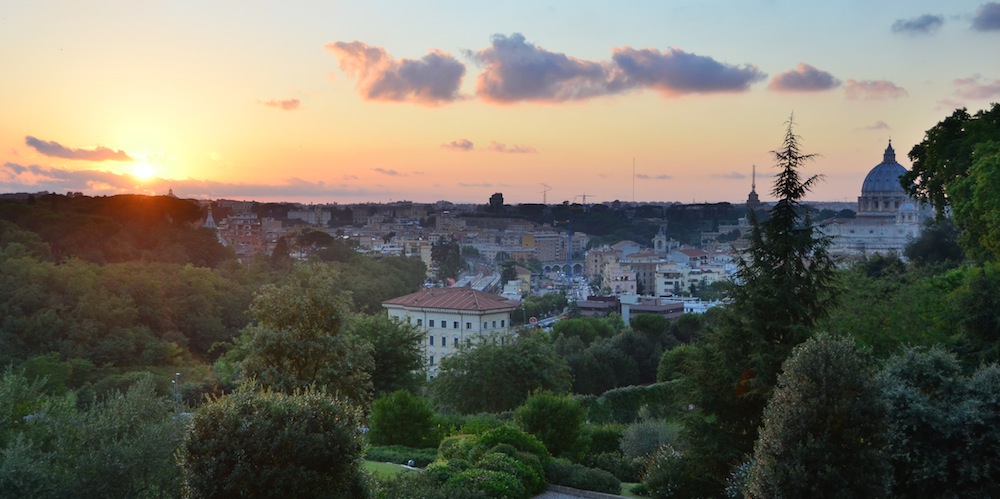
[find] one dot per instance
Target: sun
(143, 171)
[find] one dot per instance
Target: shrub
(517, 438)
(399, 454)
(604, 438)
(532, 478)
(272, 444)
(425, 486)
(556, 421)
(459, 447)
(401, 418)
(563, 472)
(496, 484)
(641, 439)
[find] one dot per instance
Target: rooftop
(466, 299)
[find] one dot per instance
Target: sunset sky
(321, 101)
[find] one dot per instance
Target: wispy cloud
(515, 71)
(730, 176)
(484, 184)
(459, 145)
(283, 104)
(21, 178)
(387, 171)
(921, 25)
(878, 125)
(987, 17)
(873, 90)
(804, 78)
(515, 149)
(432, 80)
(644, 176)
(977, 87)
(57, 150)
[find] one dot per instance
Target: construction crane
(584, 196)
(545, 190)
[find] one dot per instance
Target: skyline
(388, 101)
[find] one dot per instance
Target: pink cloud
(873, 90)
(57, 150)
(432, 80)
(977, 87)
(459, 145)
(283, 104)
(504, 148)
(804, 78)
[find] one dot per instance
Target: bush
(401, 418)
(459, 447)
(425, 486)
(517, 438)
(630, 403)
(604, 438)
(533, 478)
(265, 443)
(496, 484)
(641, 439)
(557, 422)
(399, 454)
(624, 469)
(563, 472)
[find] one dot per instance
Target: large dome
(884, 178)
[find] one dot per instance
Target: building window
(420, 322)
(431, 338)
(454, 324)
(494, 324)
(444, 324)
(468, 325)
(432, 360)
(484, 325)
(503, 323)
(430, 323)
(455, 343)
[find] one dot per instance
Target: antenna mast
(545, 190)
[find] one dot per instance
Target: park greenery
(141, 359)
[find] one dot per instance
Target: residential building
(452, 317)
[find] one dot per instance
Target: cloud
(387, 171)
(350, 177)
(504, 148)
(283, 104)
(987, 17)
(515, 70)
(484, 184)
(873, 90)
(923, 25)
(730, 175)
(432, 80)
(676, 72)
(977, 88)
(57, 150)
(804, 78)
(459, 145)
(878, 125)
(32, 178)
(644, 176)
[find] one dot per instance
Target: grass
(627, 490)
(384, 470)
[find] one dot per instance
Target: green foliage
(271, 444)
(557, 421)
(401, 418)
(516, 438)
(297, 341)
(942, 425)
(937, 244)
(978, 306)
(643, 438)
(495, 376)
(976, 207)
(397, 350)
(446, 256)
(785, 285)
(121, 447)
(498, 484)
(824, 429)
(627, 404)
(604, 437)
(568, 474)
(532, 478)
(538, 307)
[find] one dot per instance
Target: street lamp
(177, 391)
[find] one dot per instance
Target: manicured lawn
(627, 490)
(384, 470)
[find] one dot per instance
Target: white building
(451, 317)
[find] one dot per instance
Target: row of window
(454, 324)
(444, 341)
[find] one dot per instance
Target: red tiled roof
(453, 299)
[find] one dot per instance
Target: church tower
(753, 201)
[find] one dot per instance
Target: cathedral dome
(884, 178)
